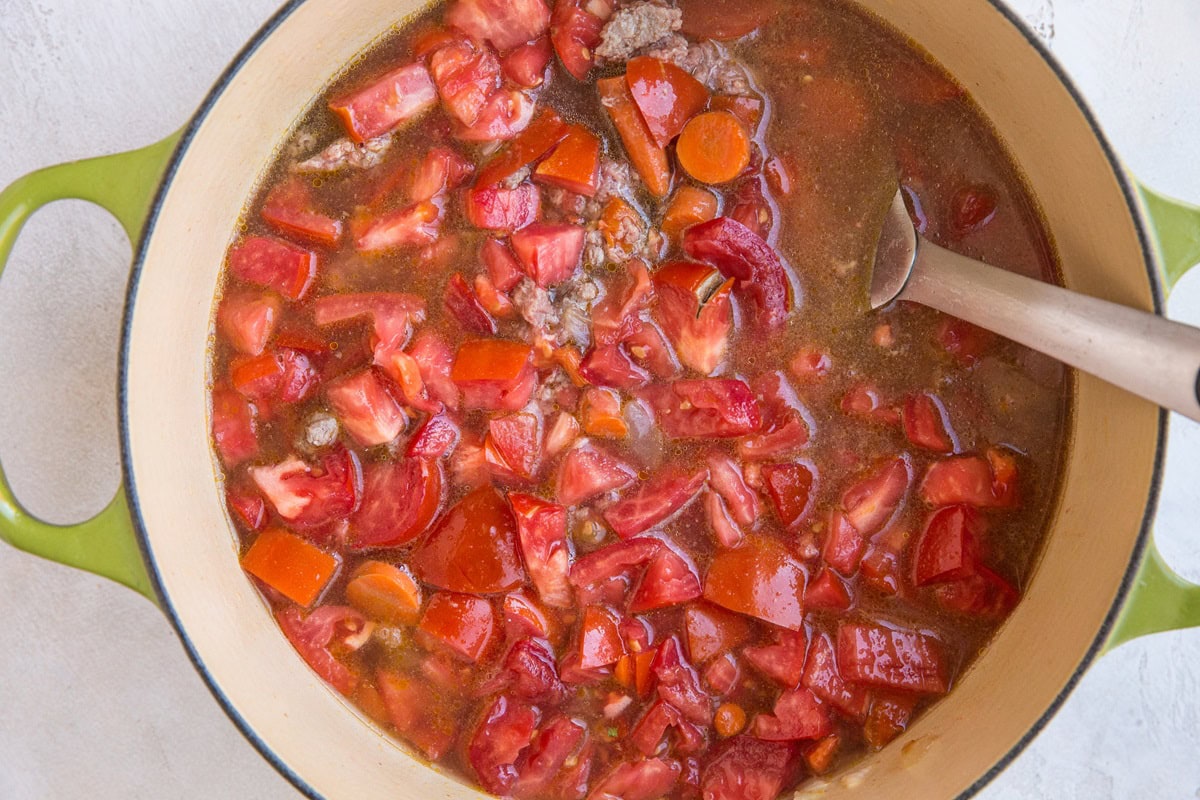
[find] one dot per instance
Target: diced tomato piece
(494, 374)
(726, 20)
(746, 768)
(414, 718)
(648, 733)
(810, 365)
(464, 305)
(415, 226)
(790, 488)
(712, 631)
(891, 658)
(513, 446)
(405, 371)
(366, 409)
(498, 209)
(494, 302)
(871, 502)
(843, 546)
(798, 715)
(503, 734)
(400, 499)
(616, 317)
(502, 266)
(926, 423)
(532, 673)
(668, 581)
(542, 533)
(504, 23)
(600, 642)
(613, 564)
(693, 306)
(523, 617)
(574, 164)
(526, 66)
(435, 360)
(723, 675)
(247, 506)
(821, 675)
(275, 264)
(309, 495)
(465, 75)
(600, 410)
(725, 477)
(880, 567)
(666, 95)
(863, 400)
(313, 635)
(461, 623)
(289, 565)
(972, 208)
(783, 661)
(647, 156)
(388, 102)
(506, 113)
(385, 592)
(474, 548)
(738, 252)
(786, 422)
(392, 313)
(562, 435)
(966, 342)
(436, 437)
(638, 780)
(234, 427)
(550, 254)
(289, 209)
(575, 30)
(725, 530)
(654, 501)
(888, 718)
(587, 471)
(983, 594)
(948, 548)
(248, 319)
(702, 409)
(442, 170)
(826, 591)
(762, 579)
(970, 480)
(749, 206)
(543, 133)
(679, 685)
(555, 743)
(284, 376)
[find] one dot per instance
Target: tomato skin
(466, 307)
(669, 580)
(971, 209)
(545, 131)
(473, 549)
(698, 327)
(871, 502)
(460, 623)
(746, 768)
(549, 253)
(497, 209)
(679, 684)
(436, 437)
(823, 676)
(742, 254)
(503, 734)
(465, 75)
(289, 209)
(575, 32)
(442, 170)
(248, 319)
(638, 780)
(826, 590)
(760, 579)
(556, 741)
(843, 546)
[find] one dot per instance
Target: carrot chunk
(714, 147)
(689, 205)
(649, 159)
(290, 565)
(574, 164)
(385, 592)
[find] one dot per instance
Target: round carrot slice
(714, 147)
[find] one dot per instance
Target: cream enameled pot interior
(311, 731)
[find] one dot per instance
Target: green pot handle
(1160, 600)
(124, 185)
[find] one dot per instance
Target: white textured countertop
(97, 697)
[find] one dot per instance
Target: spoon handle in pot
(1152, 357)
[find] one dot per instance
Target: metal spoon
(1142, 353)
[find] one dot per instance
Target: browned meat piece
(345, 154)
(637, 26)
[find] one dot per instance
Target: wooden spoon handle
(1152, 357)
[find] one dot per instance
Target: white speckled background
(97, 698)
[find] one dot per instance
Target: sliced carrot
(546, 130)
(714, 147)
(642, 676)
(819, 755)
(574, 164)
(623, 672)
(569, 358)
(600, 411)
(621, 225)
(648, 158)
(289, 565)
(385, 592)
(730, 719)
(689, 206)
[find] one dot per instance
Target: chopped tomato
(313, 635)
(289, 208)
(750, 206)
(637, 780)
(494, 374)
(600, 410)
(284, 376)
(506, 113)
(693, 307)
(891, 658)
(504, 23)
(392, 313)
(679, 684)
(762, 579)
(616, 317)
(948, 548)
(366, 409)
(523, 617)
(725, 530)
(400, 500)
(442, 170)
(650, 350)
(587, 471)
(542, 534)
(723, 675)
(275, 264)
(843, 546)
(700, 409)
(822, 676)
(543, 133)
(712, 631)
(529, 669)
(435, 360)
(746, 768)
(465, 306)
(550, 254)
(234, 427)
(502, 266)
(966, 342)
(666, 95)
(810, 365)
(970, 480)
(575, 31)
(503, 734)
(826, 590)
(289, 565)
(612, 366)
(558, 741)
(526, 66)
(725, 477)
(409, 711)
(474, 548)
(513, 446)
(872, 502)
(798, 715)
(648, 157)
(983, 594)
(388, 102)
(247, 506)
(790, 488)
(311, 495)
(600, 642)
(669, 580)
(498, 209)
(385, 592)
(613, 566)
(972, 208)
(742, 254)
(248, 319)
(787, 424)
(926, 423)
(562, 435)
(888, 718)
(647, 735)
(435, 438)
(415, 226)
(782, 661)
(863, 400)
(465, 75)
(460, 623)
(654, 501)
(574, 164)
